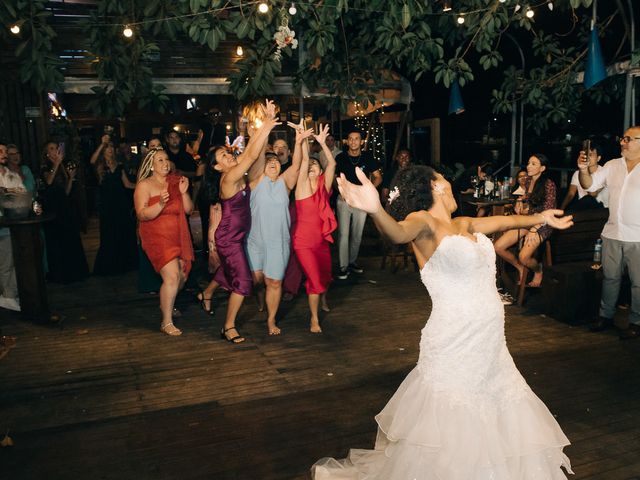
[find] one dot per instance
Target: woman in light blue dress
(269, 242)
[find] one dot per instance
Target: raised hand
(322, 135)
(301, 133)
(363, 197)
(583, 161)
(183, 185)
(106, 138)
(268, 110)
(555, 220)
(57, 157)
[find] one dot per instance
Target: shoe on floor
(632, 331)
(344, 274)
(355, 268)
(506, 299)
(9, 303)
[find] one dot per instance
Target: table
(27, 245)
(497, 205)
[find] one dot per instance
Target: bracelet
(533, 230)
(545, 220)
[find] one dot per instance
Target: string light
(446, 5)
(127, 32)
(502, 1)
(239, 51)
(292, 9)
(529, 13)
(263, 7)
(460, 20)
(550, 5)
(517, 7)
(15, 29)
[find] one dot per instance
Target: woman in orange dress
(316, 222)
(162, 202)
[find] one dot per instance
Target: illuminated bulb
(263, 7)
(292, 9)
(239, 51)
(228, 127)
(15, 29)
(502, 1)
(460, 20)
(517, 7)
(446, 6)
(127, 32)
(550, 5)
(529, 13)
(176, 128)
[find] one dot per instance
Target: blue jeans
(350, 226)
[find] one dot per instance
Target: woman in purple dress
(234, 274)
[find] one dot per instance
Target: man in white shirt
(621, 233)
(335, 150)
(8, 288)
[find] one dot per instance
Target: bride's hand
(363, 197)
(554, 219)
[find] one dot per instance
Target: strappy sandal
(237, 339)
(201, 298)
(171, 330)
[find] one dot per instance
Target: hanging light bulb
(127, 32)
(15, 29)
(529, 13)
(263, 7)
(502, 1)
(292, 9)
(460, 20)
(239, 51)
(446, 5)
(517, 7)
(550, 5)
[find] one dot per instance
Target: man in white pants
(9, 181)
(621, 233)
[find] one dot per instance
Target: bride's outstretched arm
(365, 197)
(500, 223)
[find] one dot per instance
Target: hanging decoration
(284, 37)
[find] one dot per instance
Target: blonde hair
(146, 167)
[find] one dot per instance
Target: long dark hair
(414, 191)
(210, 189)
(536, 198)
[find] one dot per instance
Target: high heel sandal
(237, 339)
(202, 299)
(171, 330)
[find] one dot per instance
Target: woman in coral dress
(315, 223)
(162, 202)
(464, 412)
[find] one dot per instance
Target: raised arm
(95, 155)
(257, 169)
(330, 166)
(499, 223)
(303, 189)
(290, 175)
(365, 197)
(255, 145)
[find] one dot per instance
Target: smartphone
(61, 147)
(134, 149)
(586, 148)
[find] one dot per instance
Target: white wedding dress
(464, 412)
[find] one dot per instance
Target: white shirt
(9, 179)
(603, 195)
(323, 158)
(624, 199)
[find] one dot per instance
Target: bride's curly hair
(414, 185)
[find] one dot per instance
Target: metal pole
(513, 116)
(629, 92)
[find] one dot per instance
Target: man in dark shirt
(351, 220)
(184, 162)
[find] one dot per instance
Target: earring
(151, 169)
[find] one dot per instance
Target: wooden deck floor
(104, 395)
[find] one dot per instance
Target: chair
(392, 252)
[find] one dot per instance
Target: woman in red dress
(162, 202)
(316, 221)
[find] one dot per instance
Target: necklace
(357, 159)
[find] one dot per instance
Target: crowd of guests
(268, 216)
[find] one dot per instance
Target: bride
(464, 412)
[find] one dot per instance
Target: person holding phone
(577, 198)
(621, 233)
(65, 254)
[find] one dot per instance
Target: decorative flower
(284, 37)
(395, 193)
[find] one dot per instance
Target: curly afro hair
(414, 185)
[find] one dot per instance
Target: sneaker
(9, 303)
(355, 268)
(344, 274)
(506, 299)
